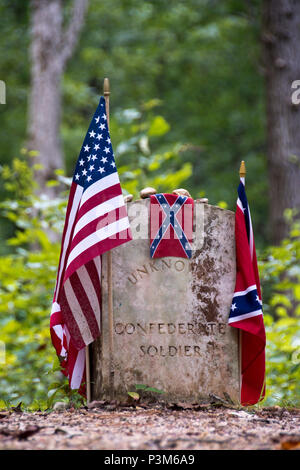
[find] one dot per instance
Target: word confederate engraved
(171, 328)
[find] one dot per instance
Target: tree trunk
(51, 47)
(281, 39)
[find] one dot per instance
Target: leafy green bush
(144, 156)
(280, 275)
(27, 279)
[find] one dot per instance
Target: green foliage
(144, 155)
(200, 61)
(27, 279)
(144, 389)
(280, 273)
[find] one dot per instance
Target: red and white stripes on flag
(96, 221)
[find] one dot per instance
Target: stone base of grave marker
(170, 326)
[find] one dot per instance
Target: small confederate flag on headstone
(171, 225)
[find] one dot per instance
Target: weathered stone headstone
(170, 326)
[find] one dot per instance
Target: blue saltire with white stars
(170, 220)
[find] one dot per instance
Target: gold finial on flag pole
(106, 89)
(106, 93)
(242, 169)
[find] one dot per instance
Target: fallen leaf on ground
(290, 444)
(20, 434)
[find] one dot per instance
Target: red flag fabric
(246, 308)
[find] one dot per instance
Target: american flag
(246, 308)
(96, 221)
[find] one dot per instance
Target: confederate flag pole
(242, 175)
(246, 312)
(106, 93)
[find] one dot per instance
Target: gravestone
(170, 314)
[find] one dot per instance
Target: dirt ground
(156, 427)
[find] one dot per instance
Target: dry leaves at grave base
(20, 434)
(188, 406)
(214, 401)
(114, 405)
(96, 404)
(291, 442)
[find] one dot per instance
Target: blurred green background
(193, 64)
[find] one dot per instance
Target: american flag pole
(87, 373)
(106, 93)
(110, 313)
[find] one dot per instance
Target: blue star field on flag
(96, 158)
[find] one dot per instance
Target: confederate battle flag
(246, 308)
(171, 225)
